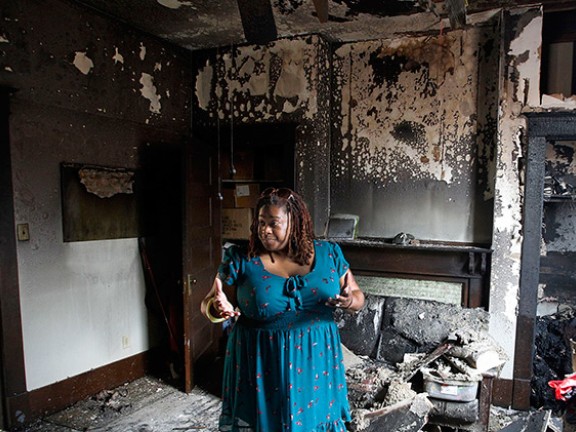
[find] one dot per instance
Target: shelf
(560, 198)
(234, 181)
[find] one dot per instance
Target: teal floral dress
(283, 368)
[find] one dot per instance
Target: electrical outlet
(23, 232)
(125, 342)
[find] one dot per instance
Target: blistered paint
(408, 108)
(203, 86)
(149, 92)
(83, 63)
(519, 88)
(265, 82)
(118, 58)
(175, 4)
(525, 50)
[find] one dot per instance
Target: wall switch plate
(23, 232)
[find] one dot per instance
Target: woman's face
(273, 227)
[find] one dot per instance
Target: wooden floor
(145, 405)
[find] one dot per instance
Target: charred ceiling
(202, 24)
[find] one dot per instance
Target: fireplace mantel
(461, 263)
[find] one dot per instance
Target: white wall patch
(83, 63)
(175, 4)
(149, 91)
(117, 57)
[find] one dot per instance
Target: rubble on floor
(147, 404)
(446, 353)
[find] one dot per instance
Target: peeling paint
(149, 92)
(4, 39)
(117, 57)
(142, 54)
(408, 108)
(266, 82)
(526, 50)
(203, 86)
(83, 63)
(176, 4)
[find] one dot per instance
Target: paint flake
(149, 92)
(117, 57)
(83, 63)
(175, 4)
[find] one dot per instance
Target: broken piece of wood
(535, 422)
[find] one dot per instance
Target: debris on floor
(147, 404)
(433, 384)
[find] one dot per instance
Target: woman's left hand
(345, 299)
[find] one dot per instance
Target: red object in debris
(564, 389)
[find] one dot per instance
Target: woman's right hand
(221, 305)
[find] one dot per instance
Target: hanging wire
(218, 141)
(231, 99)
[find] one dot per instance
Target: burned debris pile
(555, 345)
(412, 363)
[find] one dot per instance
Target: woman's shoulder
(235, 251)
(328, 246)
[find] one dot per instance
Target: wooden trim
(469, 266)
(502, 392)
(29, 406)
(13, 379)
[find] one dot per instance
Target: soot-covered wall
(414, 136)
(285, 81)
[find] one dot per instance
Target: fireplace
(434, 271)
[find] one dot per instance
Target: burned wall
(285, 81)
(85, 90)
(415, 133)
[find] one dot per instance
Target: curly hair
(301, 234)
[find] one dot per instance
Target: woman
(283, 368)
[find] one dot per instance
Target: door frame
(542, 128)
(12, 365)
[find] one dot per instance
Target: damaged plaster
(261, 82)
(408, 108)
(118, 58)
(83, 63)
(519, 87)
(149, 91)
(525, 52)
(175, 4)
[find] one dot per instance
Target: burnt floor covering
(147, 404)
(150, 404)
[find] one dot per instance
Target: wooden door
(201, 251)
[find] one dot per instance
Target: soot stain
(387, 69)
(409, 132)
